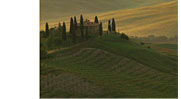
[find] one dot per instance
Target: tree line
(73, 29)
(53, 38)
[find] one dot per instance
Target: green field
(109, 67)
(169, 46)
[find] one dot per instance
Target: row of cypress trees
(73, 28)
(60, 29)
(113, 27)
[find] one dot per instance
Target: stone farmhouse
(91, 26)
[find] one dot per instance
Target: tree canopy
(96, 19)
(109, 25)
(82, 27)
(113, 25)
(47, 29)
(64, 36)
(100, 29)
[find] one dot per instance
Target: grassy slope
(170, 46)
(109, 67)
(168, 49)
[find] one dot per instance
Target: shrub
(124, 36)
(142, 43)
(149, 47)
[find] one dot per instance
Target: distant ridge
(161, 19)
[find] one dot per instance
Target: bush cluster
(124, 36)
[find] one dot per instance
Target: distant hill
(161, 19)
(135, 17)
(53, 10)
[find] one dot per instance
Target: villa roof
(88, 23)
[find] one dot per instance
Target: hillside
(161, 19)
(109, 67)
(60, 10)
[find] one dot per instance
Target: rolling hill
(159, 19)
(58, 9)
(109, 67)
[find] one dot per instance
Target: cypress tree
(71, 25)
(72, 31)
(59, 29)
(100, 29)
(87, 34)
(75, 30)
(47, 29)
(64, 36)
(75, 23)
(82, 27)
(113, 25)
(109, 26)
(57, 40)
(96, 19)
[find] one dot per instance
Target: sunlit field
(136, 21)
